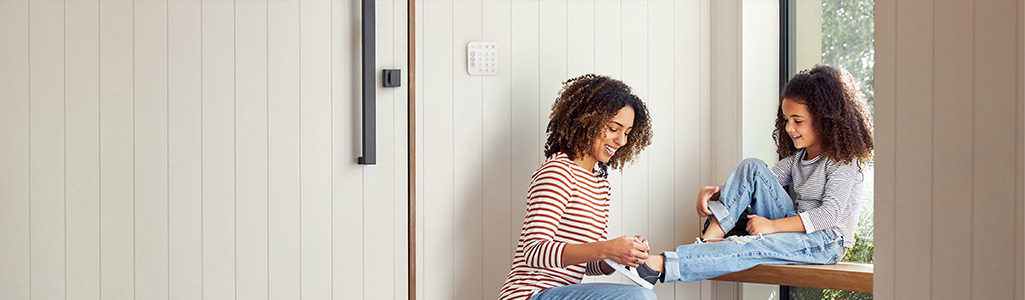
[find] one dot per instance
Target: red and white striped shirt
(566, 204)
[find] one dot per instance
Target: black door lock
(392, 77)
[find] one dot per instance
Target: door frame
(411, 150)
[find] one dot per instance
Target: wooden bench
(841, 276)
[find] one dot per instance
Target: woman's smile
(610, 150)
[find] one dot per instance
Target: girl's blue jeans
(596, 291)
(751, 184)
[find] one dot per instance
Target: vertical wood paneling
(315, 186)
(914, 132)
(993, 188)
(350, 240)
(151, 147)
(438, 130)
(400, 156)
(468, 153)
(661, 154)
(608, 38)
(117, 274)
(497, 151)
(120, 156)
(218, 19)
(953, 92)
(580, 36)
(552, 58)
(687, 125)
(608, 60)
(725, 109)
(283, 148)
(379, 201)
(939, 86)
(82, 67)
(14, 151)
(185, 150)
(884, 285)
(348, 179)
(46, 140)
(527, 152)
(251, 160)
(725, 82)
(636, 203)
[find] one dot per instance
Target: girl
(824, 136)
(595, 124)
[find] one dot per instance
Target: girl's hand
(626, 250)
(708, 193)
(760, 225)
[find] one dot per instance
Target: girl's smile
(800, 128)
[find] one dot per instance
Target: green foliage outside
(848, 41)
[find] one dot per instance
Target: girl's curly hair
(585, 106)
(840, 118)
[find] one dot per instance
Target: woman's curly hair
(580, 114)
(840, 118)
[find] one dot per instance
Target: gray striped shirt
(828, 193)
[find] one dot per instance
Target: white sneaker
(631, 273)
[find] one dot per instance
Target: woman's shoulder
(560, 163)
(557, 164)
(558, 160)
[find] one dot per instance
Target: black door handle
(369, 156)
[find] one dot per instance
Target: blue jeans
(596, 291)
(751, 184)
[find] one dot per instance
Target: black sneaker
(631, 273)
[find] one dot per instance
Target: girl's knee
(753, 165)
(752, 162)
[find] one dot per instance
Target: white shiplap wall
(482, 136)
(950, 95)
(187, 149)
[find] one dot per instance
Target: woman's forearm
(582, 253)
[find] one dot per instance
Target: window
(838, 33)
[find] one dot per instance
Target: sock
(649, 274)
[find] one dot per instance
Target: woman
(595, 124)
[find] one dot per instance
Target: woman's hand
(760, 225)
(642, 240)
(626, 250)
(708, 193)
